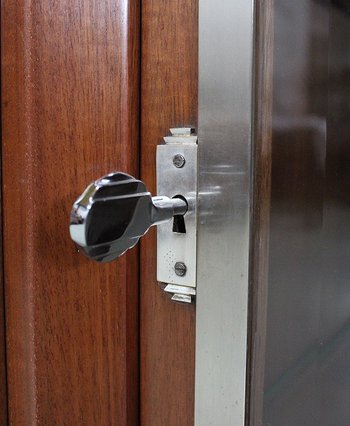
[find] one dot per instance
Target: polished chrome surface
(225, 120)
(177, 241)
(114, 212)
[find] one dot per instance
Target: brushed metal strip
(225, 133)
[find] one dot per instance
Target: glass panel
(307, 370)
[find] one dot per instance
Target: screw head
(179, 161)
(180, 269)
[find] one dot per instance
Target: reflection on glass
(307, 368)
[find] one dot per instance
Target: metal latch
(177, 239)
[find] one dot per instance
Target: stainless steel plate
(173, 180)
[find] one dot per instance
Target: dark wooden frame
(3, 381)
(262, 144)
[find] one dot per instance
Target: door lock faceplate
(177, 239)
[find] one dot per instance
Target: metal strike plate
(177, 251)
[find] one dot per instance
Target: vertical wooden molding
(262, 143)
(168, 99)
(3, 382)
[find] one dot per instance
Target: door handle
(115, 211)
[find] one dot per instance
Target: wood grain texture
(70, 95)
(3, 384)
(262, 140)
(168, 99)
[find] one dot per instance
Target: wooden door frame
(3, 378)
(262, 151)
(169, 93)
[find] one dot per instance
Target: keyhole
(179, 225)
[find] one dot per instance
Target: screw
(179, 161)
(180, 269)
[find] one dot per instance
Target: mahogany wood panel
(3, 385)
(168, 99)
(261, 210)
(70, 97)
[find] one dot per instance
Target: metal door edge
(224, 144)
